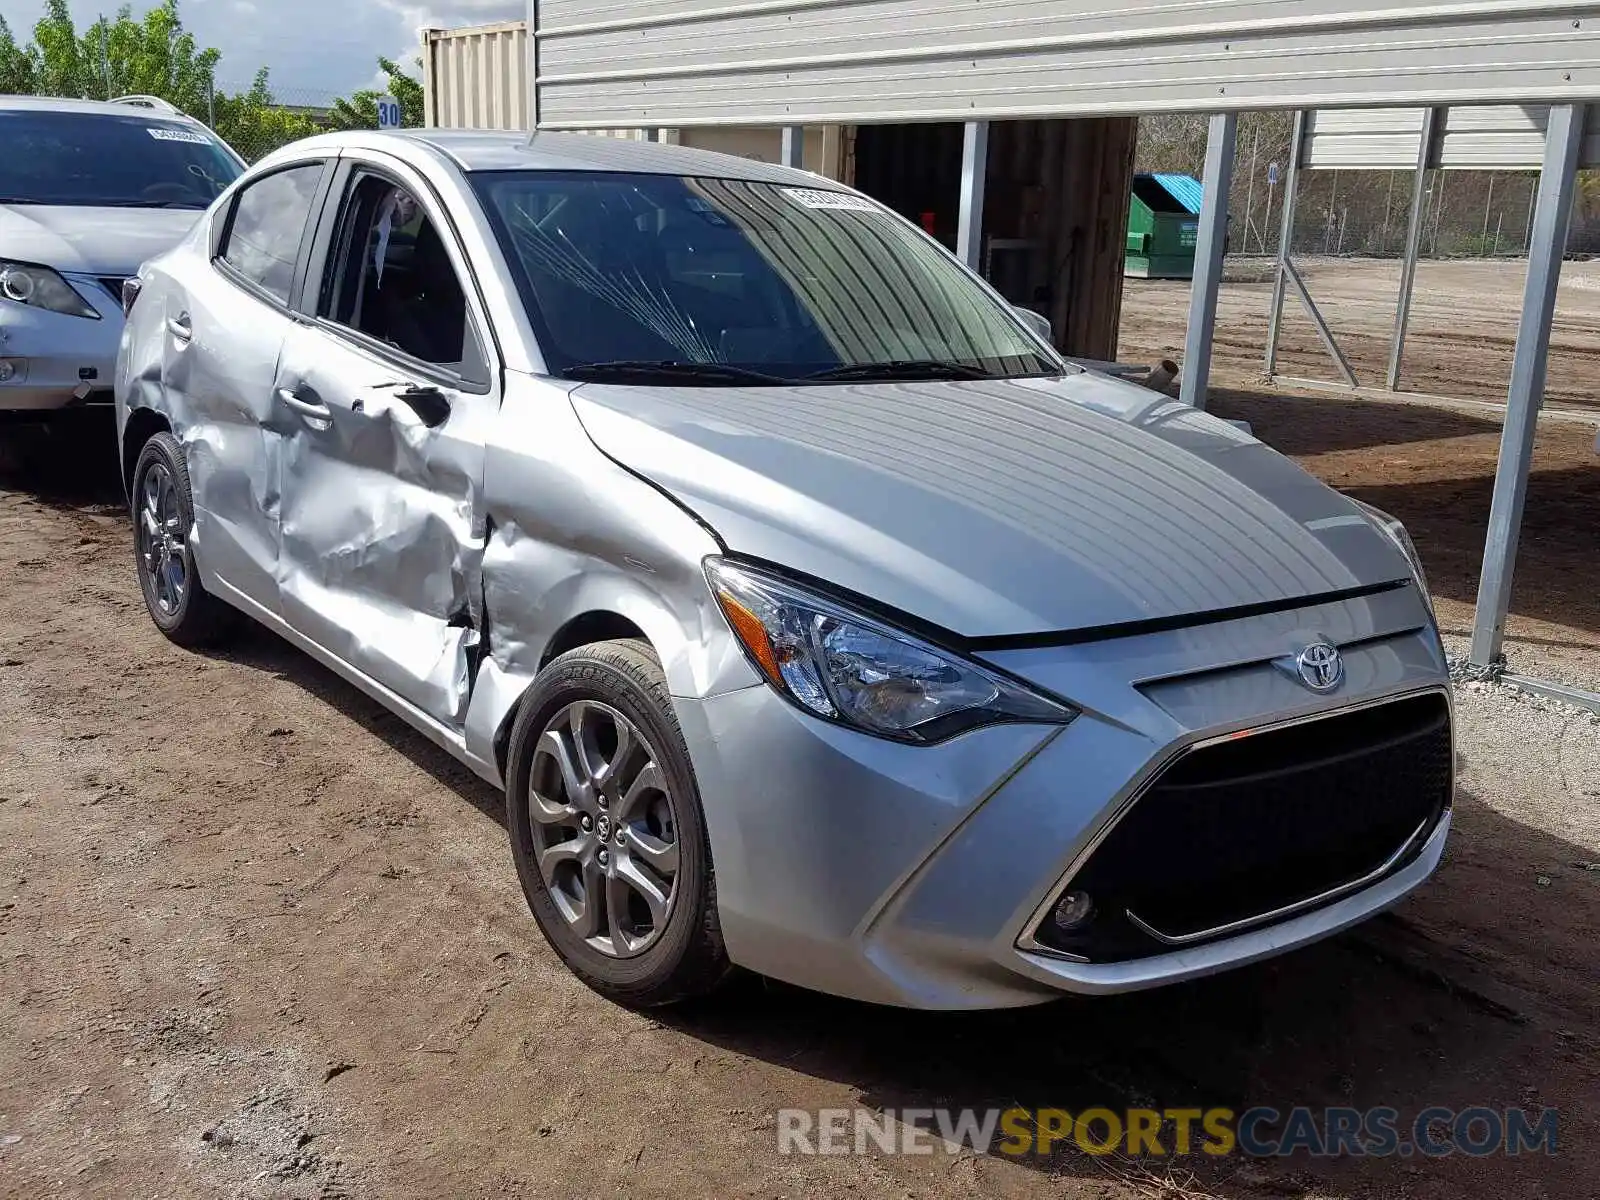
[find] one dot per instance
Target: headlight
(40, 287)
(1397, 534)
(845, 667)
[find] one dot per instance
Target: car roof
(105, 108)
(516, 150)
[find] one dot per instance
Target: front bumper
(60, 361)
(916, 876)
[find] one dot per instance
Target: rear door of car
(386, 389)
(225, 321)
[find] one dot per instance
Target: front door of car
(223, 329)
(387, 388)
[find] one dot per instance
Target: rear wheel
(607, 831)
(163, 515)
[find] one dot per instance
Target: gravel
(1530, 758)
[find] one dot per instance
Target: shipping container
(476, 78)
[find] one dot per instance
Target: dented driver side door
(387, 392)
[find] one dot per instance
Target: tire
(628, 952)
(162, 505)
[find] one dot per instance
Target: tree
(360, 111)
(252, 123)
(151, 55)
(16, 65)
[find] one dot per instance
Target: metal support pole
(1210, 244)
(974, 172)
(1291, 197)
(1323, 332)
(1250, 191)
(1266, 221)
(1552, 215)
(1408, 266)
(794, 146)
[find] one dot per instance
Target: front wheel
(163, 515)
(607, 830)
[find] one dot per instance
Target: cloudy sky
(312, 52)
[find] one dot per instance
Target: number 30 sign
(389, 116)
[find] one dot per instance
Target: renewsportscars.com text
(1157, 1133)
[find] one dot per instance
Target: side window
(269, 221)
(390, 278)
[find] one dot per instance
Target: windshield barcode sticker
(179, 135)
(839, 201)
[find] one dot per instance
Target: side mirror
(1037, 322)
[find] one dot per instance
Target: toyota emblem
(1321, 667)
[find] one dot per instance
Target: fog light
(1073, 911)
(8, 370)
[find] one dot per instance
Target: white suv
(90, 191)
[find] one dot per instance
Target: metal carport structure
(601, 64)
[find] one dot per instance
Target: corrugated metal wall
(476, 78)
(701, 62)
(1489, 137)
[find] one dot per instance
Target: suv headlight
(1396, 533)
(40, 287)
(851, 669)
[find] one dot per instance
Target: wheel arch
(587, 628)
(688, 637)
(584, 629)
(142, 425)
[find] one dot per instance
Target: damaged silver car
(815, 616)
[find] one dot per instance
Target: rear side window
(269, 223)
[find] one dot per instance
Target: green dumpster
(1163, 221)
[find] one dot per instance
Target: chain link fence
(1467, 214)
(256, 121)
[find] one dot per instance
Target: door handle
(180, 327)
(310, 409)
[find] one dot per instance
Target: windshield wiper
(905, 368)
(667, 370)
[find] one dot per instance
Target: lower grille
(1240, 829)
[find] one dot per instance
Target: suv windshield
(140, 160)
(700, 282)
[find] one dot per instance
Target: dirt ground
(1432, 465)
(259, 939)
(1462, 330)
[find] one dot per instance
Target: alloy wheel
(604, 828)
(161, 539)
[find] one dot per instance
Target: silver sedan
(815, 616)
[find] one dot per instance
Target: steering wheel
(170, 192)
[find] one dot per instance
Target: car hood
(91, 241)
(995, 508)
